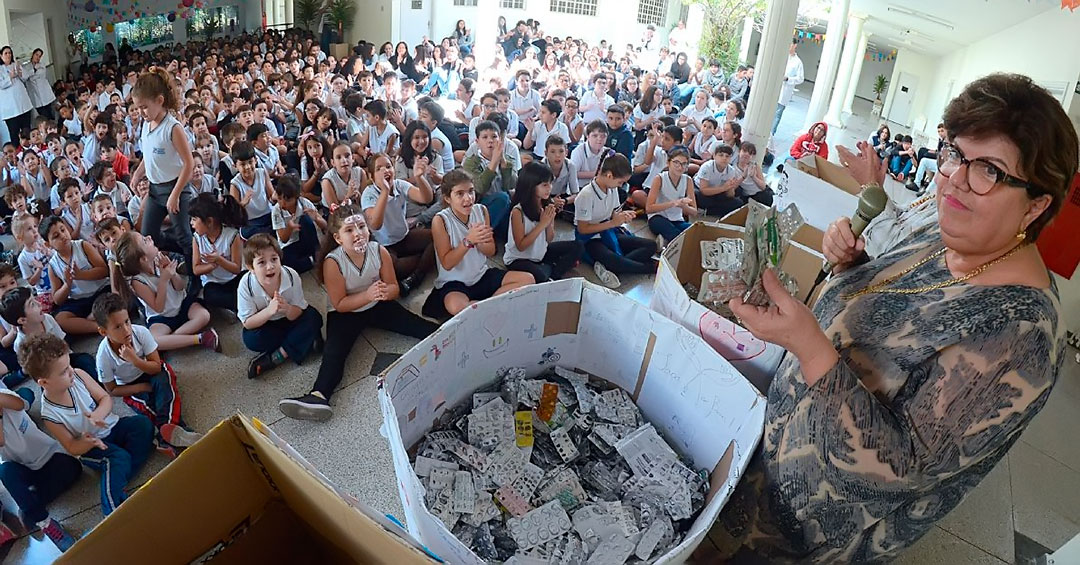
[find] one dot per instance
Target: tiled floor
(1034, 492)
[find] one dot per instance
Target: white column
(830, 58)
(287, 17)
(695, 24)
(271, 12)
(744, 44)
(843, 73)
(860, 60)
(769, 75)
(485, 31)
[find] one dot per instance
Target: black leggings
(561, 256)
(221, 295)
(17, 124)
(636, 257)
(342, 329)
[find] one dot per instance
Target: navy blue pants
(294, 336)
(126, 449)
(33, 490)
(299, 253)
(667, 228)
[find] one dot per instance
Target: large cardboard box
(243, 495)
(701, 405)
(681, 263)
(823, 191)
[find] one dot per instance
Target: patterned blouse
(931, 391)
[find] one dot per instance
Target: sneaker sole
(301, 411)
(184, 438)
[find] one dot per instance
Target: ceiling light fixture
(921, 15)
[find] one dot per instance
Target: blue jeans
(899, 166)
(294, 336)
(32, 490)
(126, 449)
(686, 94)
(299, 253)
(776, 120)
(498, 204)
(926, 165)
(668, 229)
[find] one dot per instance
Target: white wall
(374, 22)
(923, 66)
(810, 53)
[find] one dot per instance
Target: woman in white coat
(14, 101)
(36, 79)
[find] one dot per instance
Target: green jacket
(483, 177)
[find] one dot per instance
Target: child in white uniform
(217, 248)
(251, 188)
(530, 245)
(671, 198)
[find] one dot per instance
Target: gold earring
(1021, 236)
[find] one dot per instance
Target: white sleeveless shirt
(79, 288)
(474, 264)
(534, 252)
(669, 193)
(340, 186)
(259, 205)
(173, 297)
(358, 279)
(223, 247)
(74, 417)
(160, 157)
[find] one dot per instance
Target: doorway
(900, 112)
(415, 21)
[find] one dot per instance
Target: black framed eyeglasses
(983, 175)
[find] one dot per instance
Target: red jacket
(805, 144)
(120, 165)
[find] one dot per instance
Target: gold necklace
(920, 201)
(879, 288)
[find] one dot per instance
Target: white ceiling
(928, 30)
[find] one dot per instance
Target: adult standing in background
(15, 105)
(75, 57)
(793, 76)
(36, 79)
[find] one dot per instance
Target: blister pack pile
(733, 267)
(557, 469)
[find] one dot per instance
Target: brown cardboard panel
(719, 474)
(644, 366)
(261, 542)
(562, 318)
(184, 510)
(837, 176)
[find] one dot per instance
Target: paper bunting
(802, 36)
(880, 55)
(1072, 5)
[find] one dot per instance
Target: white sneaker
(607, 278)
(660, 243)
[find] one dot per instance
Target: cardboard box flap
(829, 172)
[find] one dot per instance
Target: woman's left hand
(789, 324)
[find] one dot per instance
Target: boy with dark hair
(493, 169)
(717, 182)
(130, 367)
(21, 310)
(651, 158)
(901, 158)
(266, 154)
(620, 137)
(120, 162)
(92, 141)
(294, 220)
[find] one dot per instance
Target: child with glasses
(671, 197)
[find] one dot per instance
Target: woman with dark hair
(630, 91)
(366, 52)
(401, 60)
(464, 38)
(37, 85)
(15, 104)
(917, 370)
(386, 51)
(681, 69)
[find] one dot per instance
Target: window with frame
(92, 43)
(215, 20)
(464, 2)
(150, 30)
(512, 4)
(652, 12)
(574, 7)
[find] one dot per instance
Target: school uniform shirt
(173, 297)
(73, 127)
(703, 146)
(74, 418)
(52, 327)
(9, 175)
(599, 112)
(104, 97)
(111, 368)
(520, 103)
(394, 227)
(222, 246)
(120, 194)
(446, 154)
(541, 134)
(379, 142)
(595, 206)
(37, 183)
(355, 126)
(510, 149)
(693, 113)
(79, 288)
(251, 298)
(83, 229)
(565, 182)
(584, 159)
(134, 208)
(340, 186)
(473, 265)
(91, 148)
(669, 192)
(268, 160)
(358, 277)
(640, 116)
(748, 186)
(279, 217)
(405, 173)
(161, 161)
(28, 256)
(24, 442)
(206, 184)
(534, 252)
(659, 162)
(709, 174)
(259, 205)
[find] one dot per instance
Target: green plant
(306, 13)
(880, 84)
(723, 28)
(211, 27)
(341, 14)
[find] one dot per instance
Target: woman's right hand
(840, 246)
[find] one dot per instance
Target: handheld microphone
(872, 202)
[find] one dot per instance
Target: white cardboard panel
(696, 399)
(819, 202)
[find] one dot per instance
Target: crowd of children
(211, 177)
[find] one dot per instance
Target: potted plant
(307, 13)
(340, 14)
(880, 84)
